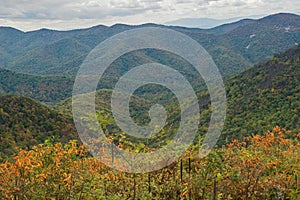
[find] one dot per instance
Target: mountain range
(206, 23)
(264, 96)
(262, 83)
(234, 47)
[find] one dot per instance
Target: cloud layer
(65, 14)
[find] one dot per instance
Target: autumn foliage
(259, 167)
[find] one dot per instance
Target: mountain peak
(281, 17)
(10, 29)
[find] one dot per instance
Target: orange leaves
(268, 161)
(234, 143)
(67, 177)
(273, 164)
(41, 171)
(248, 169)
(41, 177)
(277, 130)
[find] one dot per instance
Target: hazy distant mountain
(226, 28)
(206, 23)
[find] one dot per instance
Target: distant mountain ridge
(234, 47)
(49, 52)
(207, 23)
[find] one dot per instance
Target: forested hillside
(264, 96)
(258, 99)
(41, 88)
(25, 123)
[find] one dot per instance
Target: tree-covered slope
(41, 88)
(25, 122)
(265, 37)
(264, 96)
(260, 98)
(251, 43)
(54, 58)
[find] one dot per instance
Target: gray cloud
(133, 11)
(68, 9)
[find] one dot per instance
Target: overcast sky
(70, 14)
